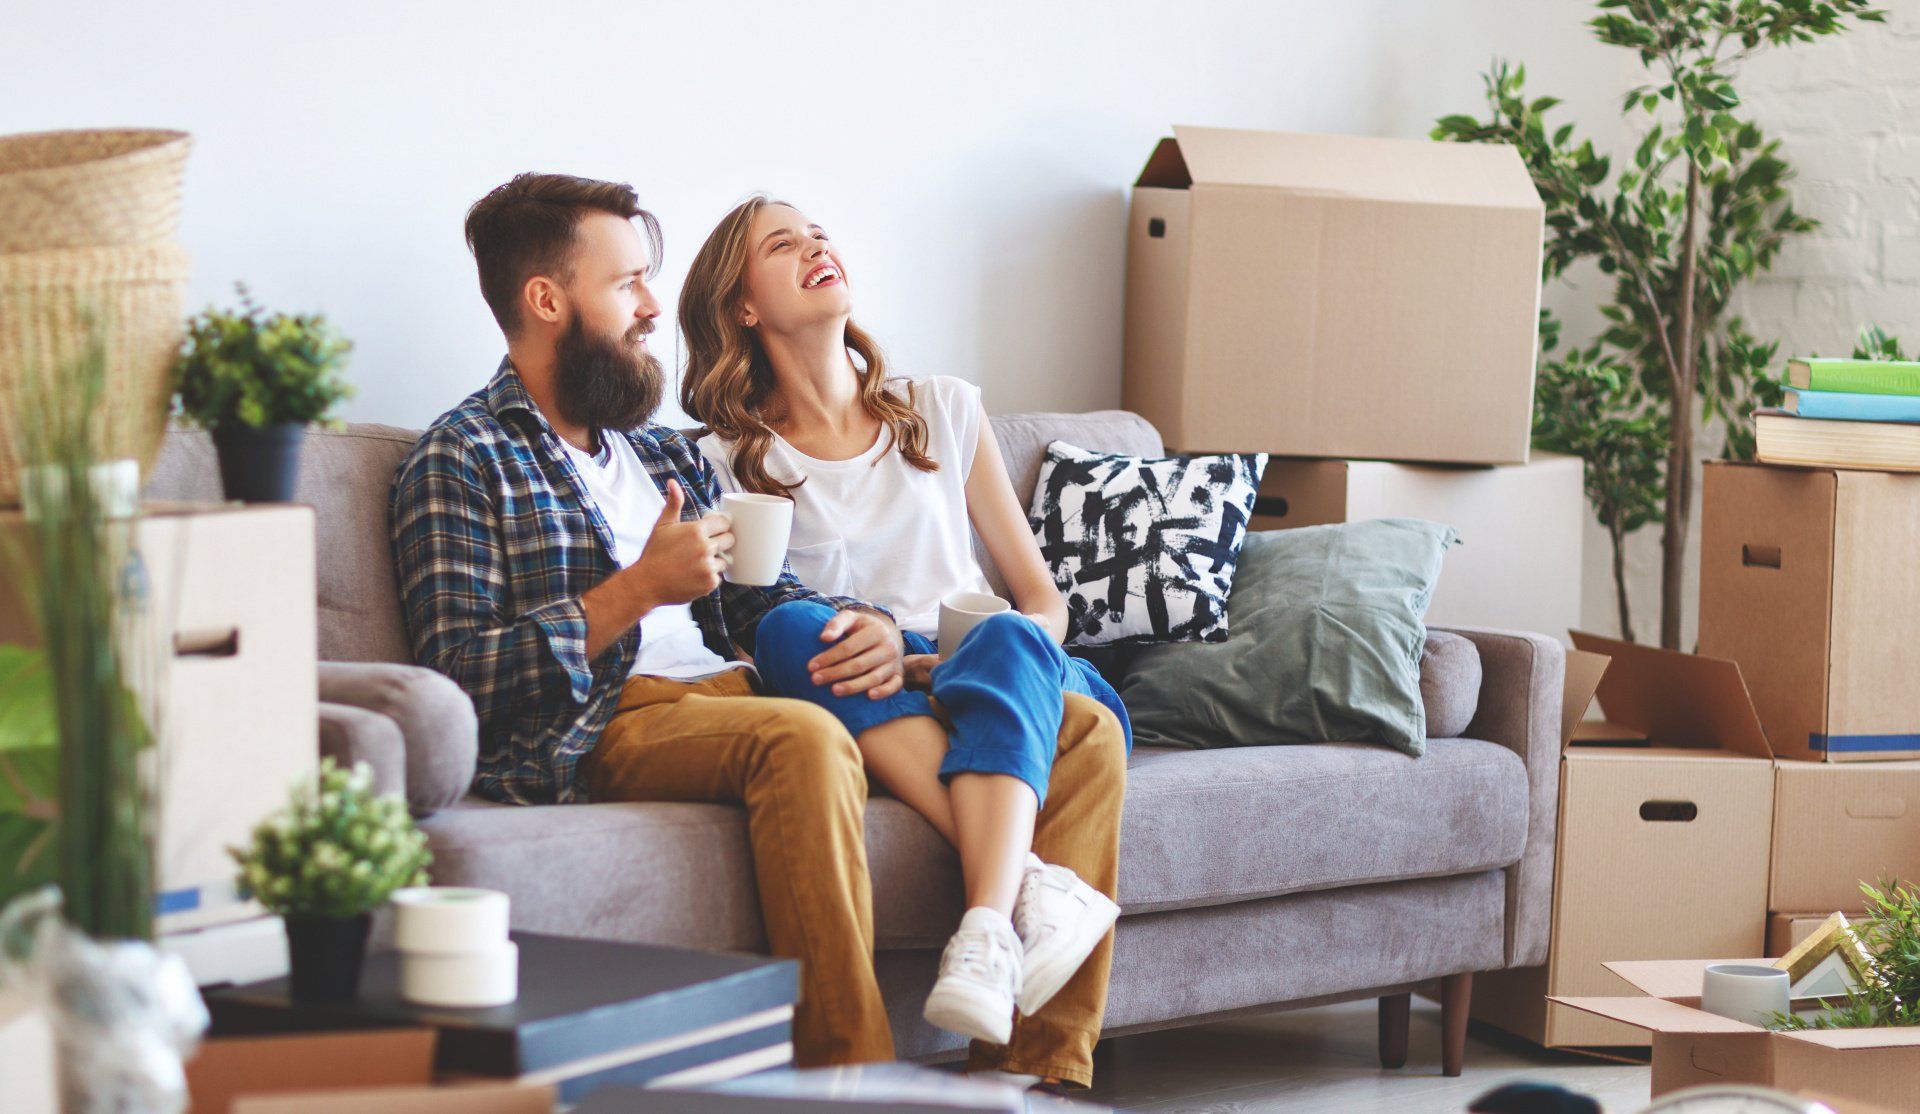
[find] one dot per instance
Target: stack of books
(1845, 414)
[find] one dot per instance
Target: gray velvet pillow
(1327, 630)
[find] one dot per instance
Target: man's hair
(526, 228)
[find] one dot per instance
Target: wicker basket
(82, 189)
(48, 302)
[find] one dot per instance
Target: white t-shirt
(670, 641)
(877, 528)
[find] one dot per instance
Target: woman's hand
(865, 656)
(917, 670)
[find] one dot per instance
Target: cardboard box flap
(1679, 700)
(1483, 175)
(1669, 978)
(1655, 1015)
(1582, 679)
(1165, 168)
(1896, 1037)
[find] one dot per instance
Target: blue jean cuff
(988, 760)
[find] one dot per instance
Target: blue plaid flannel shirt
(494, 540)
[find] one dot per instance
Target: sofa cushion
(1144, 547)
(1200, 828)
(1325, 647)
(1449, 682)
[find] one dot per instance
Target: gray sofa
(1252, 879)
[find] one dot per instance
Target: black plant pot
(260, 465)
(325, 955)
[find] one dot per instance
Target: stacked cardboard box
(1665, 812)
(1806, 580)
(1366, 311)
(228, 599)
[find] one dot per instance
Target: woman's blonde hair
(729, 383)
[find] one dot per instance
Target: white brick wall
(1848, 114)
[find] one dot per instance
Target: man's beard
(606, 384)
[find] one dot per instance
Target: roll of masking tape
(463, 981)
(449, 920)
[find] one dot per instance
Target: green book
(1860, 377)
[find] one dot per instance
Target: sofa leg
(1456, 999)
(1394, 1010)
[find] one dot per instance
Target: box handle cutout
(1760, 556)
(1270, 505)
(1669, 812)
(1157, 228)
(217, 643)
(1877, 808)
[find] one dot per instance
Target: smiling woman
(792, 287)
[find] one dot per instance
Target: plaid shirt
(495, 539)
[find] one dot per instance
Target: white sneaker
(979, 978)
(1060, 920)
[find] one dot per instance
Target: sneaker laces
(978, 949)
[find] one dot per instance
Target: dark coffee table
(590, 1013)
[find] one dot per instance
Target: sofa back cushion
(345, 475)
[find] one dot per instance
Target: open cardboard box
(1334, 296)
(376, 1071)
(1693, 1047)
(1666, 809)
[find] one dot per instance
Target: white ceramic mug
(761, 525)
(1745, 992)
(961, 612)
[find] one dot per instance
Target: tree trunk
(1620, 582)
(1673, 540)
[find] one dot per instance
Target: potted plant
(255, 382)
(324, 863)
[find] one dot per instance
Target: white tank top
(875, 527)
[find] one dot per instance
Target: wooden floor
(1326, 1059)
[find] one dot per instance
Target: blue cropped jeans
(1001, 690)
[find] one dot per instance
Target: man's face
(605, 376)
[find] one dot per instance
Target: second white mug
(960, 612)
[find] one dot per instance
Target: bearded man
(556, 559)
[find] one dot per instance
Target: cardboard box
(1334, 296)
(379, 1071)
(1662, 847)
(229, 622)
(1692, 1047)
(1806, 580)
(1835, 827)
(1518, 564)
(1786, 930)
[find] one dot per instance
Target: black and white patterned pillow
(1144, 548)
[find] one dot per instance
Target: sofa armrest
(351, 735)
(439, 731)
(1522, 675)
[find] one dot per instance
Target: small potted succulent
(255, 382)
(324, 863)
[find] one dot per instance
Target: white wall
(972, 159)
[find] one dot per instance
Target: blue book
(1846, 406)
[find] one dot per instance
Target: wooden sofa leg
(1456, 999)
(1394, 1010)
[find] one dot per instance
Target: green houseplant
(1701, 208)
(255, 382)
(324, 862)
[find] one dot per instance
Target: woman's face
(794, 278)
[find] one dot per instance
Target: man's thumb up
(676, 498)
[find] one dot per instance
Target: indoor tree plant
(78, 718)
(255, 382)
(324, 863)
(1702, 207)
